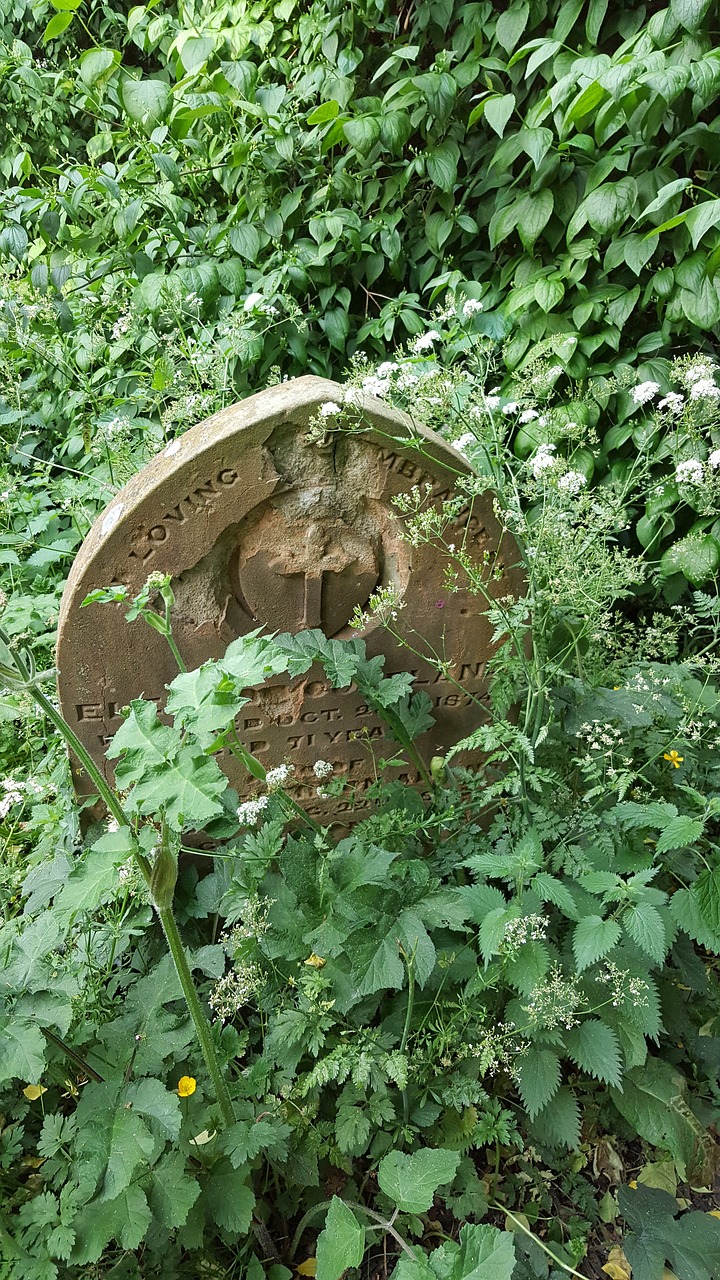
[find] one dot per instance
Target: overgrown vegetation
(477, 1038)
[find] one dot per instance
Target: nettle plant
(342, 1026)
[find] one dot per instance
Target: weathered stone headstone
(258, 527)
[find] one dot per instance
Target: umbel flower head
(186, 1086)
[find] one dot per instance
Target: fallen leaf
(201, 1138)
(608, 1207)
(617, 1265)
(660, 1174)
(714, 1213)
(308, 1267)
(33, 1092)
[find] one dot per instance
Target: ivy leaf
(644, 924)
(538, 1078)
(341, 1243)
(593, 937)
(411, 1181)
(594, 1047)
(171, 1191)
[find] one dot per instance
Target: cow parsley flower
(463, 441)
(471, 306)
(543, 460)
(322, 769)
(705, 389)
(671, 403)
(330, 409)
(512, 406)
(249, 812)
(528, 415)
(714, 459)
(424, 341)
(690, 471)
(276, 778)
(645, 391)
(572, 482)
(492, 402)
(376, 386)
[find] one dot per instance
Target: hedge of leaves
(357, 159)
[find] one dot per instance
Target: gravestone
(259, 527)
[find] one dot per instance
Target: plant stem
(570, 1270)
(84, 758)
(197, 1013)
(406, 1028)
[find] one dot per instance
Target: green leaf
(685, 911)
(654, 1102)
(326, 111)
(146, 101)
(679, 833)
(538, 1077)
(171, 1191)
(362, 133)
(22, 1051)
(548, 293)
(482, 1253)
(125, 1219)
(411, 1181)
(706, 891)
(594, 1047)
(151, 1099)
(558, 1124)
(689, 13)
(551, 890)
(442, 163)
(94, 880)
(143, 740)
(701, 219)
(228, 1199)
(341, 1243)
(593, 937)
(644, 924)
(498, 110)
(695, 557)
(385, 969)
(532, 215)
(607, 207)
(96, 65)
(55, 27)
(510, 25)
(245, 240)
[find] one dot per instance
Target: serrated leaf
(143, 740)
(678, 833)
(706, 891)
(385, 969)
(171, 1191)
(22, 1050)
(93, 881)
(593, 937)
(558, 1123)
(125, 1219)
(594, 1047)
(228, 1199)
(645, 926)
(186, 790)
(538, 1078)
(341, 1243)
(412, 1180)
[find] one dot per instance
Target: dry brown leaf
(617, 1265)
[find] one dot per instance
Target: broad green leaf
(593, 937)
(125, 1220)
(143, 740)
(594, 1047)
(552, 890)
(482, 1253)
(532, 215)
(385, 969)
(654, 1102)
(696, 557)
(171, 1190)
(644, 924)
(150, 1098)
(498, 110)
(510, 24)
(245, 240)
(96, 65)
(548, 293)
(362, 133)
(685, 911)
(701, 219)
(441, 163)
(678, 833)
(22, 1051)
(706, 891)
(412, 1180)
(93, 881)
(326, 111)
(341, 1243)
(228, 1199)
(146, 101)
(538, 1077)
(689, 13)
(558, 1124)
(56, 26)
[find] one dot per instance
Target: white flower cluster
(471, 306)
(624, 987)
(463, 441)
(644, 392)
(249, 811)
(16, 792)
(692, 470)
(254, 924)
(572, 482)
(555, 1002)
(511, 407)
(276, 778)
(236, 989)
(121, 326)
(425, 341)
(544, 459)
(673, 403)
(374, 386)
(705, 389)
(521, 930)
(322, 769)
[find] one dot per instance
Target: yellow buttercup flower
(186, 1086)
(674, 759)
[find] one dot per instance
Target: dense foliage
(481, 1031)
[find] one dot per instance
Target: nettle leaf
(411, 1181)
(538, 1078)
(558, 1124)
(595, 1049)
(685, 911)
(341, 1243)
(706, 891)
(678, 833)
(645, 926)
(593, 937)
